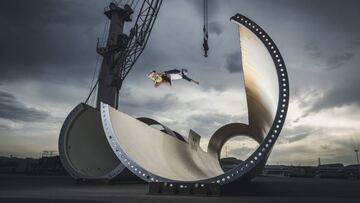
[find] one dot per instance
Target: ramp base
(186, 189)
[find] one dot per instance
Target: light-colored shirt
(175, 76)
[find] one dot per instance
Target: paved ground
(262, 189)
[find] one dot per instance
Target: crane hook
(205, 30)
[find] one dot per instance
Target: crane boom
(121, 51)
(139, 35)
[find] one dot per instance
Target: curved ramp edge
(150, 121)
(155, 154)
(83, 148)
(228, 131)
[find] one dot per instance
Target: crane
(120, 51)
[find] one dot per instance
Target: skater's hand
(196, 82)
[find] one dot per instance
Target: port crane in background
(120, 51)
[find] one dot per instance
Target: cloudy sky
(47, 60)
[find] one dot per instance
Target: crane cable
(205, 29)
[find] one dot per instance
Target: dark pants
(176, 71)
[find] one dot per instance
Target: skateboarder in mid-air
(168, 76)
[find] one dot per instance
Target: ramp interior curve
(83, 148)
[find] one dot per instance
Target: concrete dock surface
(14, 188)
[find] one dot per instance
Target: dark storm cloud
(355, 43)
(216, 28)
(12, 109)
(161, 104)
(333, 61)
(313, 50)
(212, 118)
(339, 60)
(233, 62)
(340, 95)
(332, 38)
(212, 6)
(146, 106)
(330, 10)
(48, 36)
(4, 126)
(296, 134)
(339, 89)
(44, 12)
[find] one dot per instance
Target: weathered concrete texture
(262, 189)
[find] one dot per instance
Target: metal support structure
(108, 86)
(176, 188)
(139, 36)
(121, 51)
(357, 155)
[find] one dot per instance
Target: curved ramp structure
(83, 148)
(150, 122)
(155, 156)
